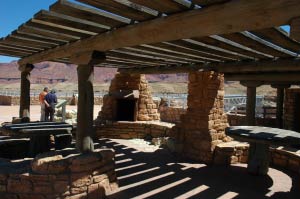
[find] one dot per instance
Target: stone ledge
(131, 130)
(237, 152)
(51, 175)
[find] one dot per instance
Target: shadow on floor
(160, 175)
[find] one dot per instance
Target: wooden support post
(279, 104)
(25, 90)
(85, 107)
(251, 101)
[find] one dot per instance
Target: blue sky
(15, 12)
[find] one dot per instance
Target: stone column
(251, 101)
(279, 104)
(25, 90)
(85, 107)
(203, 125)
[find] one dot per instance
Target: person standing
(50, 102)
(42, 103)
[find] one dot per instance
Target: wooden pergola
(239, 38)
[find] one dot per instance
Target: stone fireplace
(129, 99)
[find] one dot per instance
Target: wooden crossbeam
(234, 16)
(243, 67)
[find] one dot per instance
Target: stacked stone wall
(171, 114)
(82, 176)
(147, 110)
(240, 120)
(202, 128)
(131, 130)
(237, 152)
(289, 108)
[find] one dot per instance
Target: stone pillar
(251, 101)
(25, 90)
(203, 125)
(279, 104)
(85, 107)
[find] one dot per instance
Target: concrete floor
(146, 173)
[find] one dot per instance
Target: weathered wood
(230, 17)
(134, 12)
(84, 134)
(25, 43)
(38, 38)
(250, 43)
(165, 6)
(250, 105)
(68, 21)
(278, 37)
(208, 2)
(85, 108)
(25, 49)
(45, 33)
(221, 54)
(229, 46)
(25, 90)
(75, 33)
(295, 29)
(238, 68)
(89, 58)
(265, 77)
(90, 14)
(191, 52)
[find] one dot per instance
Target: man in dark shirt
(50, 102)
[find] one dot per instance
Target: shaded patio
(158, 174)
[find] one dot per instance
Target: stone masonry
(202, 128)
(51, 176)
(146, 108)
(290, 108)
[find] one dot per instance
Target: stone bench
(14, 148)
(260, 139)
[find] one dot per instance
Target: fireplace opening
(126, 110)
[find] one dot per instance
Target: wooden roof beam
(242, 67)
(234, 16)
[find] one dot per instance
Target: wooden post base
(259, 158)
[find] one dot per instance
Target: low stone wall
(48, 177)
(237, 152)
(240, 120)
(15, 100)
(130, 130)
(171, 114)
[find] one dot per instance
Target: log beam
(85, 108)
(251, 101)
(280, 65)
(24, 110)
(293, 78)
(230, 17)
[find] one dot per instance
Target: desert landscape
(63, 77)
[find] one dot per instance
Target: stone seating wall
(51, 176)
(130, 130)
(171, 114)
(237, 152)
